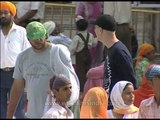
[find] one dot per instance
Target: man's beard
(5, 22)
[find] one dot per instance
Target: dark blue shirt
(118, 66)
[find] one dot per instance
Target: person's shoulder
(59, 46)
(28, 50)
(24, 53)
(147, 101)
(22, 29)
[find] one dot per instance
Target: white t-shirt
(37, 69)
(25, 6)
(121, 11)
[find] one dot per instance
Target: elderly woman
(122, 98)
(95, 104)
(144, 59)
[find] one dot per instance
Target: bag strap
(84, 40)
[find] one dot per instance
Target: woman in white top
(122, 98)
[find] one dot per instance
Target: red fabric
(143, 92)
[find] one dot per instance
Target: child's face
(64, 93)
(156, 85)
(128, 95)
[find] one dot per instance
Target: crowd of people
(46, 74)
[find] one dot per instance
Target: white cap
(49, 26)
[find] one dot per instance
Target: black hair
(51, 82)
(81, 24)
(127, 85)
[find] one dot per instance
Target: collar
(60, 109)
(14, 27)
(151, 101)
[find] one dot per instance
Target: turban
(153, 70)
(35, 30)
(8, 6)
(59, 81)
(49, 26)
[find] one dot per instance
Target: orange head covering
(143, 50)
(95, 104)
(8, 6)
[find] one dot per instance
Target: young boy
(80, 47)
(61, 88)
(150, 108)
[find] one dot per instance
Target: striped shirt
(149, 109)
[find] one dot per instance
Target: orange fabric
(143, 92)
(126, 111)
(8, 6)
(143, 50)
(95, 104)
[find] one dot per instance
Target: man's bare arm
(15, 94)
(26, 17)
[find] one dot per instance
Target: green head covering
(35, 30)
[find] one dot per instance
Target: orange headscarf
(8, 6)
(143, 50)
(143, 92)
(95, 104)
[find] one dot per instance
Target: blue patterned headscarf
(153, 70)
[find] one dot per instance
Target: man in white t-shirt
(35, 67)
(28, 11)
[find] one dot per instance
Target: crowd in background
(101, 72)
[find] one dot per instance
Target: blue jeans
(6, 82)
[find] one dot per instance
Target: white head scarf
(49, 26)
(116, 95)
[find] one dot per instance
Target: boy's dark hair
(81, 24)
(58, 81)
